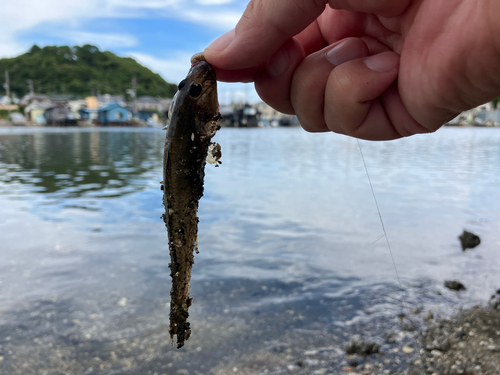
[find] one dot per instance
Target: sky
(160, 34)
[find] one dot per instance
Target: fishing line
(405, 305)
(403, 300)
(380, 216)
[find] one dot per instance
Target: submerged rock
(362, 348)
(469, 240)
(454, 285)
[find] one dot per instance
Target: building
(89, 114)
(148, 103)
(35, 111)
(107, 99)
(59, 115)
(91, 102)
(30, 98)
(113, 114)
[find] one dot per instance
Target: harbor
(113, 110)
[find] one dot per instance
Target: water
(291, 255)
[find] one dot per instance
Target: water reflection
(78, 163)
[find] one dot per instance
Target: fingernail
(222, 42)
(382, 62)
(278, 63)
(345, 51)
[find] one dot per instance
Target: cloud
(147, 4)
(22, 18)
(102, 40)
(172, 69)
(215, 19)
(213, 2)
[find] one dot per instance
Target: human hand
(371, 69)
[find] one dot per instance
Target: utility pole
(7, 84)
(133, 93)
(134, 88)
(30, 86)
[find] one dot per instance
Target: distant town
(114, 110)
(147, 111)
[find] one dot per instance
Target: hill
(81, 71)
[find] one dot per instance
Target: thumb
(261, 31)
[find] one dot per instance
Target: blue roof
(111, 106)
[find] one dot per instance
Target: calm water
(291, 255)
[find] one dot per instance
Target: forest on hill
(81, 71)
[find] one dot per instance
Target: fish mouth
(204, 70)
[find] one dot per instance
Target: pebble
(407, 349)
(436, 353)
(311, 362)
(321, 371)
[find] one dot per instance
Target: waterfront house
(114, 114)
(59, 115)
(35, 111)
(88, 114)
(91, 102)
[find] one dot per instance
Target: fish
(193, 121)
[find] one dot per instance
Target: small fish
(194, 120)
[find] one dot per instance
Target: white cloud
(172, 69)
(213, 2)
(102, 40)
(23, 17)
(148, 4)
(215, 19)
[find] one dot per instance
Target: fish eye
(181, 84)
(195, 90)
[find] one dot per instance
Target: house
(91, 102)
(148, 103)
(34, 111)
(88, 114)
(106, 100)
(30, 98)
(151, 118)
(59, 114)
(76, 105)
(113, 114)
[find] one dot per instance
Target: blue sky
(160, 34)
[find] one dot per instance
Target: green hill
(81, 71)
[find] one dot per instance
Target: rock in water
(362, 348)
(454, 285)
(469, 240)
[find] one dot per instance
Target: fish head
(203, 87)
(200, 89)
(196, 99)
